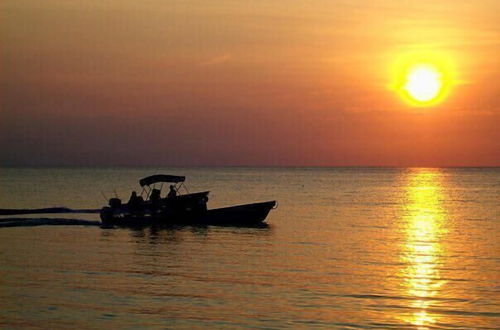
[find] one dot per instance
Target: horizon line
(244, 166)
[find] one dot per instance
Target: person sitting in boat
(155, 195)
(172, 193)
(133, 198)
(155, 199)
(135, 202)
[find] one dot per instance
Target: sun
(422, 79)
(423, 83)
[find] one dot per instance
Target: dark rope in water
(31, 222)
(45, 210)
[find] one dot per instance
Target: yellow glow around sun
(422, 79)
(423, 83)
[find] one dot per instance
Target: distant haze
(230, 82)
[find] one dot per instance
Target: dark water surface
(347, 248)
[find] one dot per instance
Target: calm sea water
(347, 248)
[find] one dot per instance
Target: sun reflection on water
(424, 221)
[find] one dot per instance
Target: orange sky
(243, 83)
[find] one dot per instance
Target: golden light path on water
(425, 226)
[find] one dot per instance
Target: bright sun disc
(422, 79)
(423, 83)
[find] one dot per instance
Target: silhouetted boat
(176, 209)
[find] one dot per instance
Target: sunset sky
(231, 82)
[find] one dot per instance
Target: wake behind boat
(150, 208)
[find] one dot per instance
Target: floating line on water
(31, 222)
(54, 210)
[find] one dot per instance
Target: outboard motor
(115, 203)
(108, 212)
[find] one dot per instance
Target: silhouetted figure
(155, 200)
(135, 202)
(172, 193)
(155, 195)
(133, 198)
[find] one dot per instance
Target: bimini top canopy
(161, 178)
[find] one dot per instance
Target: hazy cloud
(217, 60)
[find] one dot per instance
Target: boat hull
(247, 215)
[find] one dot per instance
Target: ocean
(346, 248)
